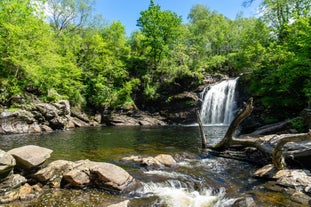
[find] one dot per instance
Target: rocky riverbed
(25, 175)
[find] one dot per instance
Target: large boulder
(30, 156)
(18, 122)
(7, 163)
(54, 170)
(100, 174)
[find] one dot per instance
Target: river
(202, 180)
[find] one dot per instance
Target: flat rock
(30, 156)
(7, 163)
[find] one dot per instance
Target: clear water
(203, 180)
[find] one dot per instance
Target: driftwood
(272, 145)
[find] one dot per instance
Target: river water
(199, 180)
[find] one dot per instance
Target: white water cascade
(219, 103)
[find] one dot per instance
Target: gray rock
(135, 119)
(296, 179)
(53, 170)
(47, 110)
(7, 163)
(12, 182)
(63, 107)
(75, 112)
(18, 122)
(30, 156)
(78, 122)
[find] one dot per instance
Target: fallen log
(271, 145)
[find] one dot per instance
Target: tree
(209, 38)
(30, 59)
(280, 13)
(160, 29)
(70, 15)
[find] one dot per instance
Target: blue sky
(128, 11)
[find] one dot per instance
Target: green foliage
(96, 65)
(160, 28)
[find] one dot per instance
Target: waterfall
(218, 103)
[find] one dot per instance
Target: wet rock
(121, 204)
(12, 182)
(7, 163)
(46, 128)
(26, 192)
(268, 171)
(53, 170)
(166, 160)
(296, 179)
(30, 156)
(248, 201)
(99, 174)
(157, 161)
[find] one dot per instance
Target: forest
(65, 51)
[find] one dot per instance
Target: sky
(128, 11)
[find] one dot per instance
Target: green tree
(160, 29)
(68, 15)
(29, 55)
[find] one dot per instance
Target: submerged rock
(7, 163)
(12, 182)
(25, 192)
(30, 156)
